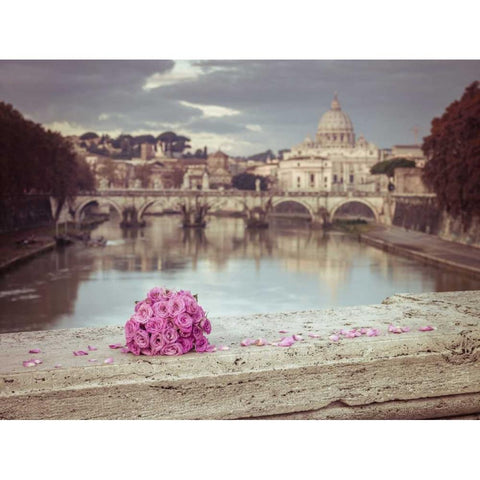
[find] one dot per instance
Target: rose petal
(125, 350)
(342, 332)
(363, 331)
(58, 365)
(116, 345)
(405, 329)
(92, 360)
(211, 348)
(29, 363)
(313, 335)
(247, 342)
(286, 342)
(427, 328)
(261, 342)
(297, 338)
(283, 331)
(37, 361)
(223, 347)
(372, 332)
(34, 350)
(334, 338)
(108, 360)
(92, 348)
(79, 353)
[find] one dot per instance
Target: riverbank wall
(413, 375)
(24, 211)
(421, 213)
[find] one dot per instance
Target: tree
(108, 170)
(143, 173)
(388, 167)
(246, 181)
(453, 153)
(88, 136)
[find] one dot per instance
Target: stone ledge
(412, 375)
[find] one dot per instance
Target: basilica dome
(335, 128)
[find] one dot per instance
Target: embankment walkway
(427, 248)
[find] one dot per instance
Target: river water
(234, 271)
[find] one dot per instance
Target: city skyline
(240, 106)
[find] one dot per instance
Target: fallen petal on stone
(427, 328)
(108, 360)
(29, 363)
(34, 350)
(283, 331)
(286, 342)
(260, 342)
(37, 361)
(92, 360)
(297, 338)
(342, 332)
(334, 338)
(125, 350)
(211, 348)
(223, 347)
(372, 332)
(247, 342)
(405, 329)
(58, 365)
(79, 353)
(92, 348)
(116, 345)
(363, 331)
(313, 335)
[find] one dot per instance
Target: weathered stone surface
(417, 374)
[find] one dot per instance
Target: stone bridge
(319, 207)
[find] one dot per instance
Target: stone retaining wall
(413, 375)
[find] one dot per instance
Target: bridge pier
(130, 218)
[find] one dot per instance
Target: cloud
(209, 111)
(253, 127)
(109, 116)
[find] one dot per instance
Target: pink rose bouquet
(168, 323)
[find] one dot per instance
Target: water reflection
(235, 271)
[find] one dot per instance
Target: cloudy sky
(243, 107)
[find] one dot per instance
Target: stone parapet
(413, 375)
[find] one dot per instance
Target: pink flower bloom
(133, 347)
(147, 351)
(171, 335)
(201, 344)
(91, 349)
(334, 338)
(191, 305)
(206, 325)
(156, 294)
(176, 305)
(197, 331)
(130, 328)
(79, 353)
(108, 360)
(427, 328)
(144, 312)
(155, 324)
(172, 349)
(34, 350)
(184, 322)
(186, 343)
(198, 315)
(160, 309)
(247, 342)
(139, 304)
(157, 342)
(141, 339)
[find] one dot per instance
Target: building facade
(335, 161)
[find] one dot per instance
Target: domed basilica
(335, 161)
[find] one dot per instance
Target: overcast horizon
(242, 107)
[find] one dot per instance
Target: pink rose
(186, 343)
(147, 351)
(191, 305)
(142, 338)
(130, 328)
(155, 324)
(170, 335)
(176, 305)
(139, 304)
(144, 312)
(199, 315)
(156, 294)
(184, 322)
(201, 344)
(160, 309)
(133, 347)
(172, 349)
(206, 325)
(157, 342)
(197, 332)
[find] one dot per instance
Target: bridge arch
(353, 201)
(285, 201)
(168, 202)
(88, 201)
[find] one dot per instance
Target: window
(312, 179)
(298, 182)
(351, 178)
(335, 179)
(326, 180)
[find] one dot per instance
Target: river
(234, 271)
